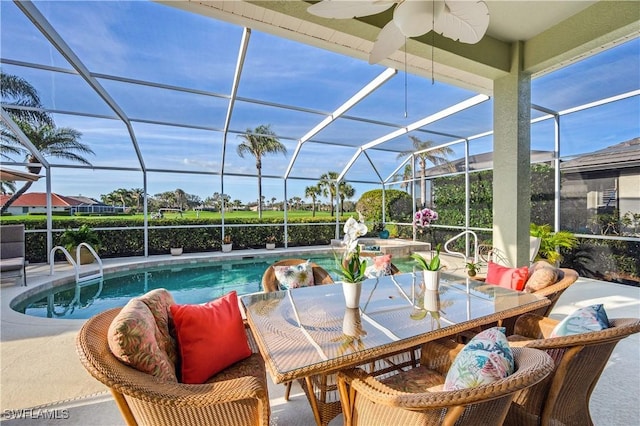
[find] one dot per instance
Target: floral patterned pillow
(159, 302)
(132, 339)
(583, 320)
(485, 359)
(294, 276)
(381, 266)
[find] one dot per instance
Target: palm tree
(259, 142)
(313, 192)
(345, 190)
(138, 195)
(18, 92)
(435, 156)
(123, 195)
(7, 187)
(328, 187)
(50, 141)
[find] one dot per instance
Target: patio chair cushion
(135, 339)
(485, 359)
(541, 275)
(211, 337)
(294, 276)
(583, 320)
(379, 266)
(513, 278)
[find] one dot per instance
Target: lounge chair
(12, 258)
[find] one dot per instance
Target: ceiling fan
(461, 20)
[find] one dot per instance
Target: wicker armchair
(563, 398)
(414, 397)
(270, 283)
(237, 395)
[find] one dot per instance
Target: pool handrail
(76, 262)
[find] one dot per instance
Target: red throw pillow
(211, 337)
(513, 278)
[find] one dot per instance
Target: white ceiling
(555, 33)
(515, 20)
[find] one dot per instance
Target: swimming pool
(188, 283)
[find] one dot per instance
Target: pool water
(189, 283)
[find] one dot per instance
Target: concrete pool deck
(41, 375)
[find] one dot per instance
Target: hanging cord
(433, 30)
(405, 79)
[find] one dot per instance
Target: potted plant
(71, 239)
(430, 269)
(350, 265)
(271, 242)
(227, 244)
(472, 268)
(176, 246)
(551, 242)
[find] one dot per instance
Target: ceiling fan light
(416, 17)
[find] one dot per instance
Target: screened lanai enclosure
(539, 122)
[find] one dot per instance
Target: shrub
(398, 206)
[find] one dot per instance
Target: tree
(313, 192)
(138, 195)
(435, 156)
(327, 184)
(18, 92)
(50, 141)
(7, 187)
(345, 190)
(123, 195)
(259, 142)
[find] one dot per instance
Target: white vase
(351, 324)
(431, 280)
(226, 248)
(431, 301)
(176, 251)
(271, 246)
(352, 294)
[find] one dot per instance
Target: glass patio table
(307, 332)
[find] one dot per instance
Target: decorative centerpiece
(350, 266)
(430, 269)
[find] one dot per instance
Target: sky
(151, 42)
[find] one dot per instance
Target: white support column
(511, 161)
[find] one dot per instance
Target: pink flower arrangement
(424, 217)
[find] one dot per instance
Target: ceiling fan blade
(465, 21)
(345, 9)
(389, 40)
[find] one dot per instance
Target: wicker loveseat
(237, 395)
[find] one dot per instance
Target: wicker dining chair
(415, 396)
(563, 398)
(270, 283)
(235, 396)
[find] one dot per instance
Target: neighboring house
(604, 181)
(36, 202)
